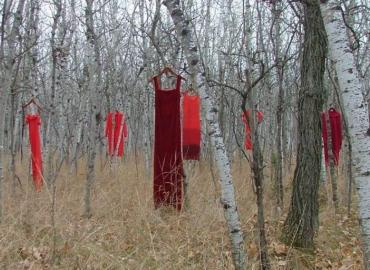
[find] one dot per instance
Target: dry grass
(126, 233)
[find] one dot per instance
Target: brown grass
(126, 233)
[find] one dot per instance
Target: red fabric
(34, 123)
(325, 138)
(335, 120)
(191, 127)
(116, 133)
(168, 170)
(336, 133)
(245, 117)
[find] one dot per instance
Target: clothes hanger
(167, 70)
(192, 91)
(30, 102)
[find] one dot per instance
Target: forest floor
(125, 232)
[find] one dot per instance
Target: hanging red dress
(116, 133)
(168, 170)
(336, 131)
(191, 127)
(34, 123)
(335, 120)
(245, 117)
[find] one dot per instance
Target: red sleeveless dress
(34, 123)
(168, 168)
(191, 127)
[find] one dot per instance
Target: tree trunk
(356, 112)
(10, 81)
(224, 168)
(277, 10)
(301, 223)
(3, 99)
(94, 88)
(257, 168)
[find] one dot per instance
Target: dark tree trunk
(257, 167)
(279, 190)
(302, 220)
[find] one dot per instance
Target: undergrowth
(125, 232)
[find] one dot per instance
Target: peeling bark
(356, 112)
(222, 162)
(302, 221)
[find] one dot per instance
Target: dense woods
(275, 186)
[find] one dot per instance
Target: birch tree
(355, 109)
(228, 201)
(93, 88)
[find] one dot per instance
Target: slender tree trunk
(10, 81)
(257, 155)
(280, 108)
(224, 168)
(2, 104)
(257, 168)
(3, 98)
(94, 88)
(356, 112)
(302, 221)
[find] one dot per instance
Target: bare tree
(93, 85)
(302, 221)
(223, 165)
(351, 90)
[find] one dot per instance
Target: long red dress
(335, 126)
(116, 134)
(245, 117)
(34, 123)
(168, 169)
(191, 127)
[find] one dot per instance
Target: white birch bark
(356, 112)
(94, 89)
(222, 162)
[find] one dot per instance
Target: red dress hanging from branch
(168, 168)
(191, 127)
(34, 123)
(116, 133)
(245, 117)
(335, 120)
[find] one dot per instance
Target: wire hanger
(167, 70)
(30, 102)
(192, 91)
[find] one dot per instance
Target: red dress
(245, 117)
(168, 169)
(34, 123)
(335, 126)
(116, 134)
(191, 127)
